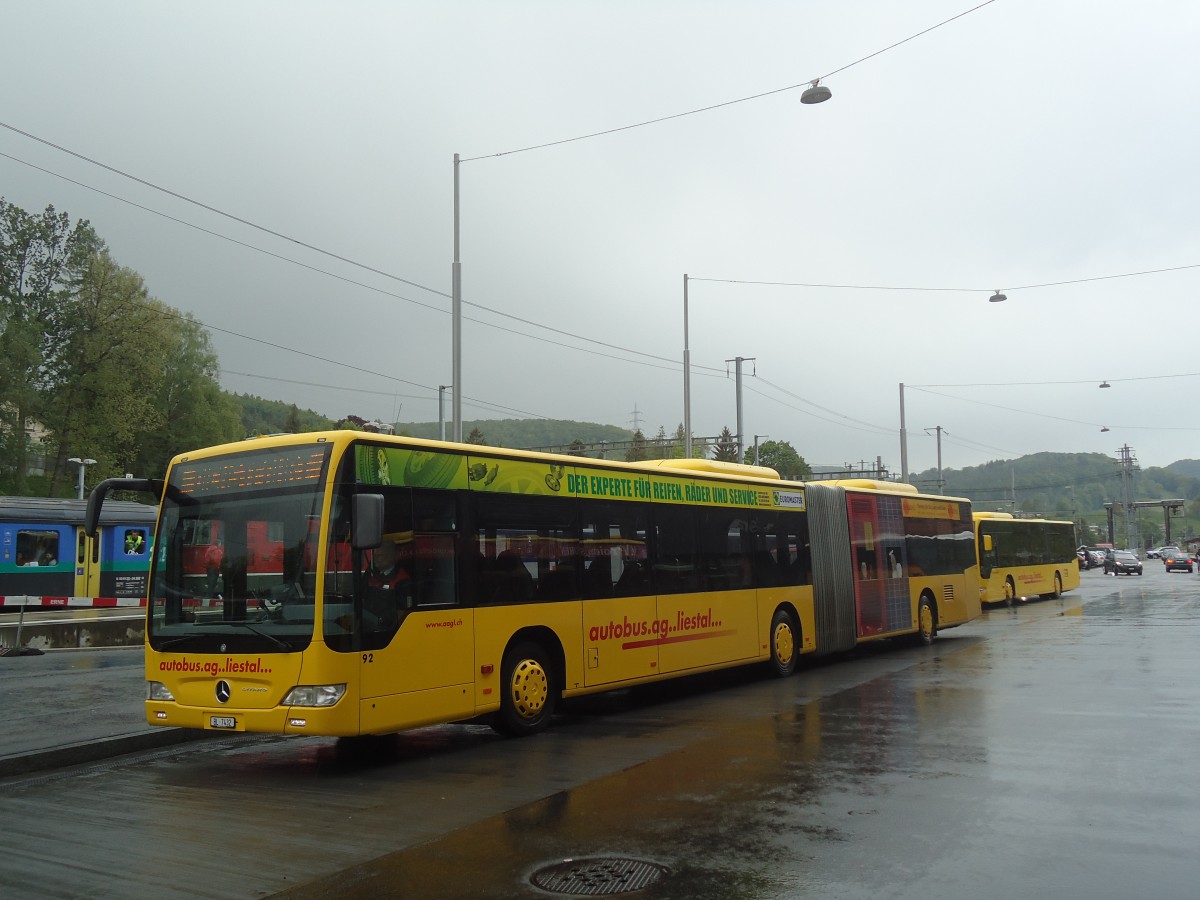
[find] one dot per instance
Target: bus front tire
(785, 646)
(926, 623)
(529, 694)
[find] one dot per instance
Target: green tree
(726, 449)
(637, 452)
(100, 404)
(293, 426)
(476, 437)
(576, 448)
(187, 397)
(139, 380)
(783, 458)
(42, 260)
(662, 444)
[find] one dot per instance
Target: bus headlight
(314, 695)
(156, 690)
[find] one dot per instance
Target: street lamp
(83, 464)
(456, 327)
(757, 461)
(815, 93)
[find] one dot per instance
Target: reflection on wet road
(1044, 750)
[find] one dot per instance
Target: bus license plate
(222, 722)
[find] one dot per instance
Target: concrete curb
(90, 751)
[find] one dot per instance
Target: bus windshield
(236, 556)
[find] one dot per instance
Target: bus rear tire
(1057, 587)
(785, 644)
(926, 623)
(529, 691)
(1010, 592)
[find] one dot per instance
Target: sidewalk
(68, 707)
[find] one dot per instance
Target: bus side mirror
(987, 543)
(366, 523)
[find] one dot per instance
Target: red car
(1177, 559)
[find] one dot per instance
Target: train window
(37, 548)
(135, 541)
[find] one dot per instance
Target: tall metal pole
(441, 413)
(687, 378)
(941, 482)
(456, 315)
(737, 367)
(903, 439)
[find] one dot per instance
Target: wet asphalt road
(1043, 751)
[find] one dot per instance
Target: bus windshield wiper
(175, 642)
(282, 645)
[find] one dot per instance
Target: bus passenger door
(418, 639)
(870, 567)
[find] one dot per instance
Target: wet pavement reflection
(1042, 750)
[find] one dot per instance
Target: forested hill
(261, 416)
(518, 433)
(1060, 484)
(1186, 467)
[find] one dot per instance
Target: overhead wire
(675, 364)
(710, 108)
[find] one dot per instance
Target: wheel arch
(546, 638)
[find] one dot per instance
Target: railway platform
(69, 707)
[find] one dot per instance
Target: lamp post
(456, 316)
(83, 464)
(687, 378)
(815, 93)
(757, 462)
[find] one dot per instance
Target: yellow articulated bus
(1023, 558)
(421, 582)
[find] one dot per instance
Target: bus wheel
(785, 650)
(1057, 587)
(926, 623)
(529, 695)
(1010, 592)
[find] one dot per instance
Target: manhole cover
(598, 877)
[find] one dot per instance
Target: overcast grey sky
(1025, 143)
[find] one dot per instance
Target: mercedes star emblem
(223, 691)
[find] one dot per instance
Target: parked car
(1121, 562)
(1169, 548)
(1177, 559)
(1153, 553)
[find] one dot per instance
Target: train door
(87, 563)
